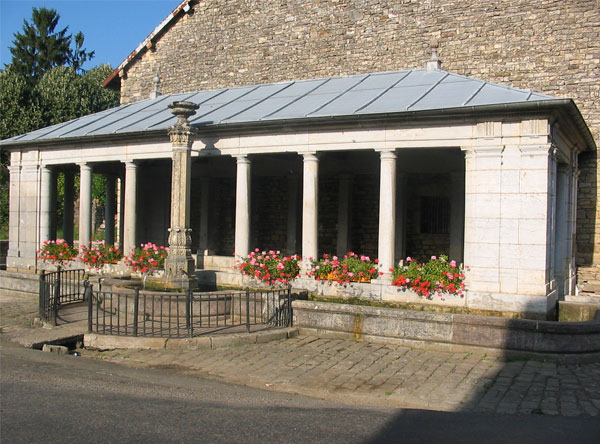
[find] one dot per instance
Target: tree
(39, 48)
(45, 85)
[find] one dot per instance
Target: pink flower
(409, 259)
(453, 264)
(433, 258)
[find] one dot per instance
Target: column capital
(310, 157)
(84, 166)
(242, 159)
(483, 151)
(130, 164)
(181, 134)
(387, 154)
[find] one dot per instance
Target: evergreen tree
(44, 85)
(39, 47)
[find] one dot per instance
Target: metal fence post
(188, 303)
(136, 303)
(42, 295)
(88, 293)
(56, 301)
(248, 310)
(290, 321)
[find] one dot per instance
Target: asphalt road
(47, 398)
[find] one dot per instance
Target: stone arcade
(414, 162)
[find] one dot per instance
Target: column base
(179, 272)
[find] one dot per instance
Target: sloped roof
(112, 81)
(381, 94)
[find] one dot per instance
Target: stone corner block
(105, 342)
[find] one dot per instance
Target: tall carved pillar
(85, 204)
(387, 212)
(310, 193)
(242, 207)
(179, 265)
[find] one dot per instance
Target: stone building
(372, 155)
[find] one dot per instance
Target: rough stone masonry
(548, 46)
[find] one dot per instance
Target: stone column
(292, 214)
(343, 239)
(46, 178)
(68, 208)
(457, 216)
(85, 204)
(310, 193)
(130, 204)
(242, 207)
(179, 265)
(387, 213)
(109, 211)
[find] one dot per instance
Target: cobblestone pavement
(17, 310)
(390, 375)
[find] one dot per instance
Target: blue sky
(112, 28)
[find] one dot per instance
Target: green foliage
(56, 252)
(45, 85)
(270, 266)
(39, 47)
(437, 276)
(96, 254)
(351, 268)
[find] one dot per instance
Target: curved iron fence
(186, 314)
(59, 288)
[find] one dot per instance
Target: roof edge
(113, 80)
(568, 106)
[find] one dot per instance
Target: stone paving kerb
(405, 375)
(392, 375)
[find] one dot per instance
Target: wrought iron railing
(59, 288)
(186, 314)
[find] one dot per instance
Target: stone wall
(269, 212)
(550, 46)
(419, 245)
(328, 213)
(365, 214)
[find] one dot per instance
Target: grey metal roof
(356, 95)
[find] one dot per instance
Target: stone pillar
(242, 207)
(387, 213)
(85, 204)
(310, 219)
(109, 211)
(46, 178)
(292, 214)
(130, 204)
(343, 234)
(179, 265)
(457, 216)
(68, 207)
